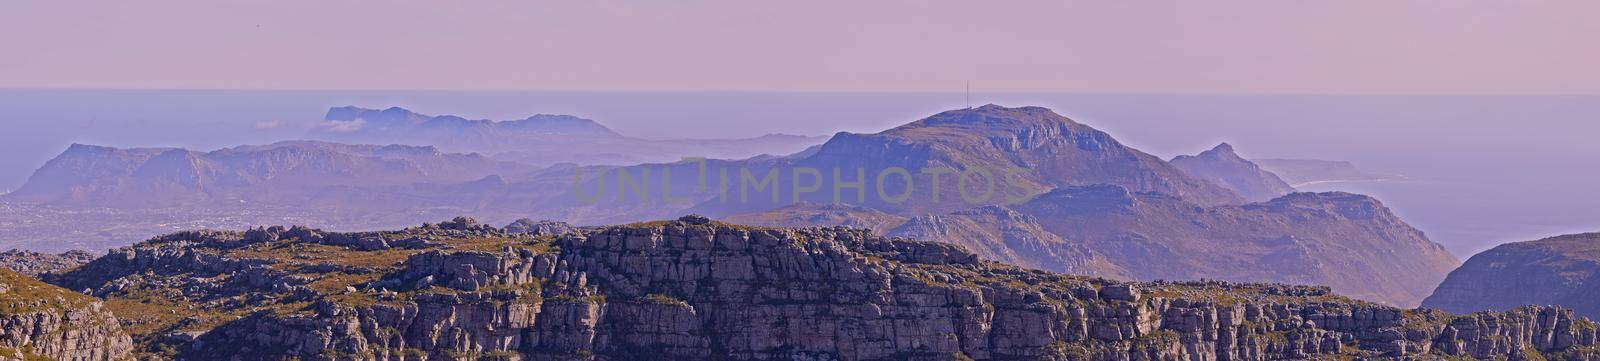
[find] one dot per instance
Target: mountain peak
(1222, 166)
(1054, 151)
(992, 116)
(1223, 147)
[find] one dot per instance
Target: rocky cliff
(1223, 167)
(695, 289)
(1562, 270)
(41, 321)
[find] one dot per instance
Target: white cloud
(269, 124)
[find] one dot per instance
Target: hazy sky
(1363, 46)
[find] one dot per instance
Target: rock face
(1349, 242)
(34, 263)
(1223, 167)
(39, 320)
(1563, 270)
(695, 289)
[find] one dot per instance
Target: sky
(1267, 46)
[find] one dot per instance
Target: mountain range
(1022, 185)
(541, 139)
(284, 172)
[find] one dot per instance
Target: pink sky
(1361, 46)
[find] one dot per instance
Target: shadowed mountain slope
(1563, 270)
(1347, 241)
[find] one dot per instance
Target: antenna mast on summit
(969, 95)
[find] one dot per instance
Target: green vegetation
(662, 299)
(24, 294)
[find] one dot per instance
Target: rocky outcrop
(34, 263)
(38, 320)
(1563, 270)
(696, 289)
(540, 228)
(1221, 166)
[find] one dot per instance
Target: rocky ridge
(38, 320)
(696, 289)
(34, 263)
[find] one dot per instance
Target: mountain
(396, 121)
(1349, 242)
(1150, 219)
(539, 139)
(1003, 235)
(1221, 166)
(693, 289)
(1028, 149)
(284, 171)
(1562, 270)
(1306, 171)
(1076, 200)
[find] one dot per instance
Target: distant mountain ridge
(541, 139)
(401, 120)
(146, 177)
